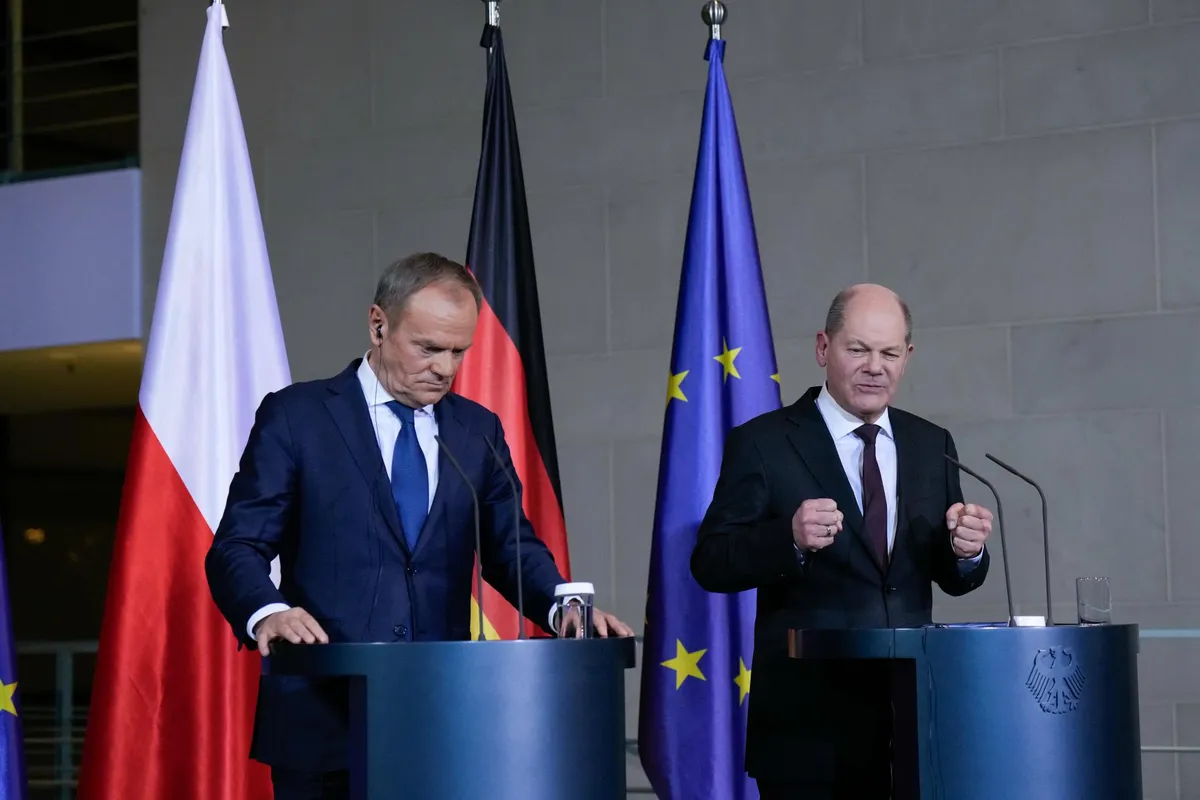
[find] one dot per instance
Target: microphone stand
(1045, 534)
(1003, 546)
(516, 534)
(478, 542)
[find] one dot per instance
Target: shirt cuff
(262, 613)
(968, 564)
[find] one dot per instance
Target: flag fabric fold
(697, 658)
(12, 753)
(173, 697)
(505, 369)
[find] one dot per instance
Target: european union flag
(12, 760)
(696, 663)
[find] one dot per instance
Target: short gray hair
(404, 278)
(835, 319)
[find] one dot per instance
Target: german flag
(505, 369)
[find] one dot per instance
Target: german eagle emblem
(1056, 680)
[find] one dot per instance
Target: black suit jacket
(802, 713)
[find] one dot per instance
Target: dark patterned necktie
(875, 512)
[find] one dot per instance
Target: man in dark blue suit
(342, 480)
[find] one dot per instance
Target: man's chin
(428, 398)
(871, 406)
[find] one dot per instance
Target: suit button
(890, 588)
(410, 569)
(400, 631)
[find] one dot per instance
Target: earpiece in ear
(379, 332)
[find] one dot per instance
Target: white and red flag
(173, 699)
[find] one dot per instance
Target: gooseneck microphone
(478, 546)
(1000, 519)
(1045, 535)
(516, 534)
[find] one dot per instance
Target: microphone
(478, 546)
(516, 534)
(1000, 519)
(1045, 535)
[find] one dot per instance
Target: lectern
(529, 719)
(1005, 713)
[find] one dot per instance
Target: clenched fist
(969, 526)
(296, 625)
(815, 523)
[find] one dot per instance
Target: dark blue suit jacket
(311, 488)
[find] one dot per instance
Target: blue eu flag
(696, 664)
(12, 761)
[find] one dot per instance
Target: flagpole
(493, 12)
(713, 15)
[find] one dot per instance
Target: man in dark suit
(343, 480)
(842, 513)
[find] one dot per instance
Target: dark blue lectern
(991, 712)
(526, 720)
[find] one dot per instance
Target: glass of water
(573, 610)
(1094, 600)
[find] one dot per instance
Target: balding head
(864, 348)
(869, 293)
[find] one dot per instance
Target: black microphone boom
(516, 534)
(478, 542)
(1000, 527)
(1045, 535)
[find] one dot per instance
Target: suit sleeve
(741, 544)
(538, 571)
(955, 576)
(260, 502)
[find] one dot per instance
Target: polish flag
(173, 699)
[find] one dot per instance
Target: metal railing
(69, 100)
(54, 733)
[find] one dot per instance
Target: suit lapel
(906, 465)
(451, 431)
(350, 413)
(813, 442)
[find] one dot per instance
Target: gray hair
(835, 319)
(404, 278)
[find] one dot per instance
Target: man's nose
(442, 365)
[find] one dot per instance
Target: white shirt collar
(841, 422)
(374, 392)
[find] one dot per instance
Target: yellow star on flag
(743, 681)
(685, 664)
(6, 697)
(726, 358)
(674, 387)
(775, 378)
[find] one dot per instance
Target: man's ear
(822, 349)
(376, 324)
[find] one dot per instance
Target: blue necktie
(410, 478)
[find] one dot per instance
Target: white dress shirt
(842, 424)
(387, 427)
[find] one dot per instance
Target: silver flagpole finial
(493, 9)
(713, 15)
